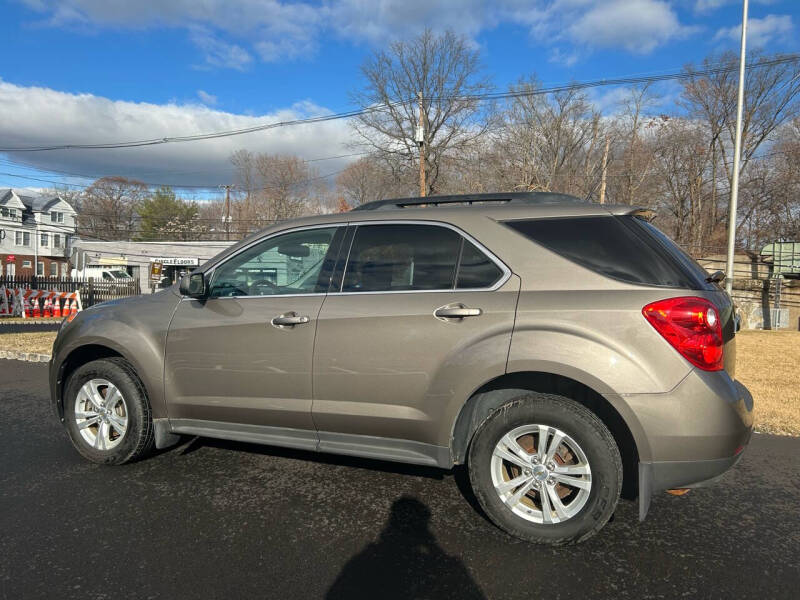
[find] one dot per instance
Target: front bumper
(695, 432)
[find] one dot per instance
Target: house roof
(35, 202)
(10, 199)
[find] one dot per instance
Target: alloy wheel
(101, 414)
(541, 474)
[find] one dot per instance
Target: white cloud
(218, 53)
(760, 32)
(705, 6)
(230, 32)
(638, 26)
(35, 116)
(206, 98)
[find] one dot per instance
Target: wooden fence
(93, 291)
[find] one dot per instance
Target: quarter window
(291, 263)
(476, 270)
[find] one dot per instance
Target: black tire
(138, 439)
(583, 427)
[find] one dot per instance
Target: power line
(677, 75)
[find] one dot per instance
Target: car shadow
(405, 562)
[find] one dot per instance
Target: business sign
(177, 261)
(112, 261)
(155, 271)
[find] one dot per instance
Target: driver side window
(290, 263)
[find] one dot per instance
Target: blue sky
(92, 71)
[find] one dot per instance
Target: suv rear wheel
(107, 412)
(546, 469)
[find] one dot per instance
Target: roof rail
(531, 198)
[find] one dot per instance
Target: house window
(45, 240)
(26, 264)
(40, 268)
(56, 217)
(3, 212)
(56, 240)
(23, 238)
(12, 212)
(53, 269)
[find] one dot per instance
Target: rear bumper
(695, 432)
(658, 476)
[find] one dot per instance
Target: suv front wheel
(546, 469)
(107, 412)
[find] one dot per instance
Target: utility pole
(737, 153)
(420, 137)
(603, 175)
(227, 217)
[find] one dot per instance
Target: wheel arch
(500, 390)
(77, 357)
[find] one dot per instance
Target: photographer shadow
(405, 562)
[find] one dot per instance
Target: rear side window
(399, 257)
(621, 247)
(402, 257)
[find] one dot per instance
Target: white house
(36, 233)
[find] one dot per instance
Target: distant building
(37, 231)
(136, 257)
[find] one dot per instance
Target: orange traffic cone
(27, 307)
(57, 307)
(37, 311)
(73, 308)
(48, 308)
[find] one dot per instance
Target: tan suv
(567, 352)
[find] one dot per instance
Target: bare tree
(108, 208)
(270, 188)
(771, 99)
(632, 168)
(549, 142)
(682, 161)
(365, 180)
(446, 70)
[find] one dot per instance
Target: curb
(26, 356)
(31, 321)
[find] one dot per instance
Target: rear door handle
(456, 312)
(289, 320)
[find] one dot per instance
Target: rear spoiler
(639, 212)
(645, 214)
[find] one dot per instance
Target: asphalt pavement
(213, 519)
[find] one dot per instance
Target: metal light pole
(737, 153)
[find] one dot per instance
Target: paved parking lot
(218, 519)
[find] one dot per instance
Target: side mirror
(193, 285)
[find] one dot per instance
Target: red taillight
(692, 326)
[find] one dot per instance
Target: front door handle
(289, 320)
(456, 312)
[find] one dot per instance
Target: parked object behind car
(107, 274)
(568, 353)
